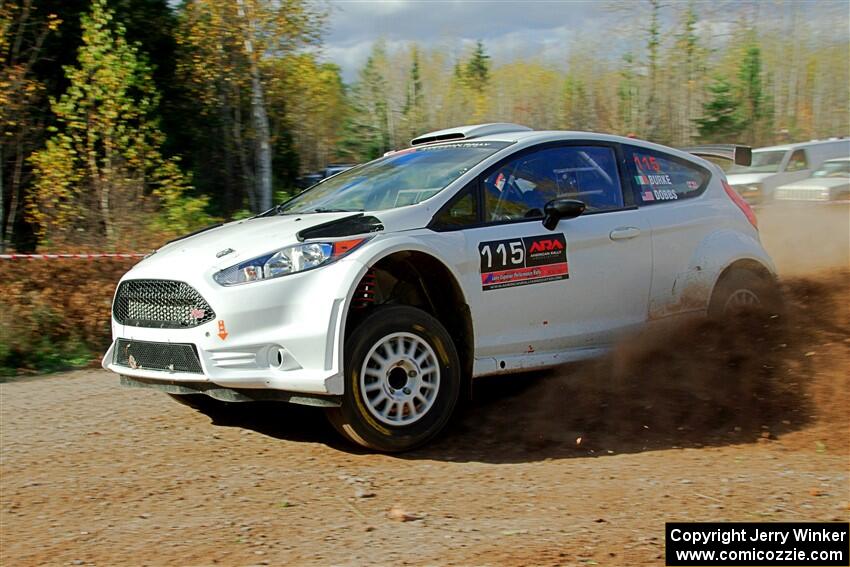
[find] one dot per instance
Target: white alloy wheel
(400, 378)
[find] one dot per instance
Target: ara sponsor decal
(661, 179)
(523, 261)
(692, 185)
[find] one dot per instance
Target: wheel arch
(748, 264)
(439, 293)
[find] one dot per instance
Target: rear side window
(661, 177)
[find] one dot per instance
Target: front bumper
(281, 334)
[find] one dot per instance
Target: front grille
(161, 304)
(801, 195)
(168, 357)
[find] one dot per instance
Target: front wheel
(402, 380)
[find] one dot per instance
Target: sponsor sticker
(500, 181)
(523, 261)
(648, 195)
(661, 179)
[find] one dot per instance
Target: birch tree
(227, 50)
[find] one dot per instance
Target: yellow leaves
(53, 22)
(101, 173)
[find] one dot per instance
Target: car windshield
(763, 162)
(834, 169)
(402, 178)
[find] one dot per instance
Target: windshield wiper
(332, 210)
(281, 211)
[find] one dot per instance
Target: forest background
(124, 123)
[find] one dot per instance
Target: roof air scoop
(468, 132)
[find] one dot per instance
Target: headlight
(289, 260)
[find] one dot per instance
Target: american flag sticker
(648, 196)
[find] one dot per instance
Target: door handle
(624, 233)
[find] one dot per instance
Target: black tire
(761, 289)
(355, 421)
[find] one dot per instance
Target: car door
(669, 191)
(533, 290)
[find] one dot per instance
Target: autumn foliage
(55, 314)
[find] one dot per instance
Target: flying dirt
(701, 421)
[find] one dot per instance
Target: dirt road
(707, 424)
(576, 467)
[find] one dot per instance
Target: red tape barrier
(65, 256)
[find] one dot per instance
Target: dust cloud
(806, 238)
(697, 383)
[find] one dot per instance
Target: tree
(577, 107)
(23, 32)
(688, 58)
(477, 72)
(414, 111)
(721, 121)
(228, 54)
(313, 97)
(653, 122)
(628, 96)
(101, 171)
(751, 93)
(368, 130)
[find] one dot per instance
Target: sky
(510, 30)
(516, 29)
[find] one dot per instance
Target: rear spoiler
(741, 155)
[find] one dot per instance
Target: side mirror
(558, 209)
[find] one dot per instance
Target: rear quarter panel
(694, 241)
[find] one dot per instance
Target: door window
(798, 161)
(661, 177)
(520, 188)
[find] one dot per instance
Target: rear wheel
(402, 379)
(743, 290)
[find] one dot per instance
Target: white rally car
(381, 291)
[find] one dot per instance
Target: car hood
(225, 245)
(818, 183)
(747, 178)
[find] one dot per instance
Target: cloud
(545, 29)
(510, 30)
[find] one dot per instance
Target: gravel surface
(93, 473)
(578, 466)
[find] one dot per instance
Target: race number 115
(505, 254)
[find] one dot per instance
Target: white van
(780, 165)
